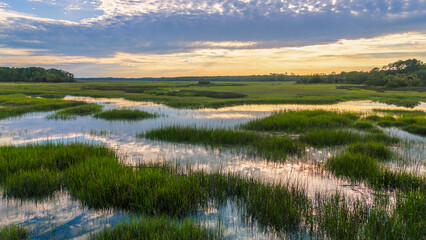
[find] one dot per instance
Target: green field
(216, 94)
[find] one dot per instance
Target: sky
(167, 38)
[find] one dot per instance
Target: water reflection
(61, 217)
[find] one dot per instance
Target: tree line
(35, 74)
(272, 77)
(403, 73)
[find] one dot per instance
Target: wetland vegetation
(218, 94)
(165, 199)
(17, 105)
(270, 147)
(124, 114)
(13, 233)
(94, 175)
(72, 112)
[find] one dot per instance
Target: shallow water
(60, 216)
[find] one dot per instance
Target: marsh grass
(302, 121)
(364, 125)
(15, 105)
(94, 175)
(13, 232)
(69, 113)
(257, 92)
(54, 157)
(401, 112)
(52, 95)
(338, 218)
(125, 114)
(157, 228)
(373, 118)
(376, 150)
(270, 147)
(327, 137)
(32, 184)
(362, 167)
(412, 124)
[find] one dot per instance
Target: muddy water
(62, 216)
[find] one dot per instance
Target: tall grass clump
(338, 218)
(270, 147)
(157, 228)
(103, 183)
(327, 137)
(35, 171)
(364, 125)
(361, 167)
(55, 157)
(13, 233)
(280, 207)
(283, 208)
(302, 121)
(32, 184)
(83, 110)
(410, 123)
(124, 114)
(375, 150)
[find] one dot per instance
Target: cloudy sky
(138, 38)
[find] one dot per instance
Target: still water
(61, 217)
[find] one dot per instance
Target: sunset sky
(142, 38)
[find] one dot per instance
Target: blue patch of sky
(58, 10)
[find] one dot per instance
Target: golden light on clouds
(212, 58)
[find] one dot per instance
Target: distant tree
(316, 78)
(34, 74)
(203, 81)
(376, 78)
(407, 66)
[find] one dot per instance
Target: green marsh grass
(94, 175)
(52, 95)
(15, 105)
(32, 184)
(83, 110)
(13, 232)
(401, 112)
(361, 167)
(257, 92)
(364, 125)
(373, 118)
(338, 218)
(411, 124)
(124, 114)
(302, 121)
(376, 150)
(270, 147)
(327, 137)
(157, 228)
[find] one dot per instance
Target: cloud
(4, 51)
(342, 55)
(123, 29)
